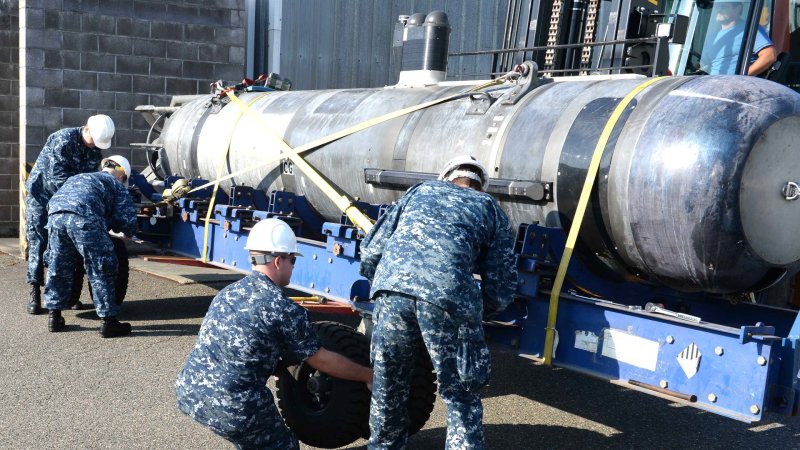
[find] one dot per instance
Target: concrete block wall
(83, 57)
(9, 118)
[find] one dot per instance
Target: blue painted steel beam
(721, 374)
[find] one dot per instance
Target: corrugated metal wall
(348, 43)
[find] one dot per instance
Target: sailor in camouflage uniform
(81, 213)
(67, 152)
(250, 324)
(420, 257)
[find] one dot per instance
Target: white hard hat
(450, 171)
(272, 236)
(121, 164)
(101, 128)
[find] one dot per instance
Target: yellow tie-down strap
(220, 167)
(591, 175)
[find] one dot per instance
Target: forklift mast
(649, 37)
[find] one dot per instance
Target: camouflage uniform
(81, 213)
(63, 156)
(421, 257)
(249, 325)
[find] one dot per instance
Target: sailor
(67, 152)
(420, 257)
(250, 324)
(81, 213)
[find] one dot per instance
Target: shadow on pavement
(185, 313)
(515, 436)
(166, 309)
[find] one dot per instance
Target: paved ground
(75, 390)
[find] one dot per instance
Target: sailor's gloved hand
(117, 234)
(179, 189)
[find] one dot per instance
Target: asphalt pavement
(75, 390)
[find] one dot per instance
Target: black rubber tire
(121, 282)
(123, 269)
(423, 392)
(339, 414)
(336, 415)
(77, 285)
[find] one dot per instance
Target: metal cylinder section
(688, 193)
(677, 195)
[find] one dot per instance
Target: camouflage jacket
(97, 196)
(249, 325)
(431, 243)
(63, 155)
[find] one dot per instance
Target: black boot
(35, 303)
(111, 327)
(55, 322)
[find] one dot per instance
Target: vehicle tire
(328, 412)
(423, 384)
(123, 269)
(423, 392)
(77, 285)
(121, 282)
(324, 411)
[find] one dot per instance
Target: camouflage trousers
(73, 237)
(459, 355)
(36, 235)
(264, 430)
(276, 438)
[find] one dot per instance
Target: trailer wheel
(328, 412)
(123, 269)
(423, 392)
(121, 283)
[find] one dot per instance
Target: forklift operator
(721, 52)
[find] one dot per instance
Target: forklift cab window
(719, 39)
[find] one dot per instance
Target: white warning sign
(586, 340)
(630, 349)
(689, 359)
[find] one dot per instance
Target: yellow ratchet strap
(591, 175)
(347, 131)
(216, 183)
